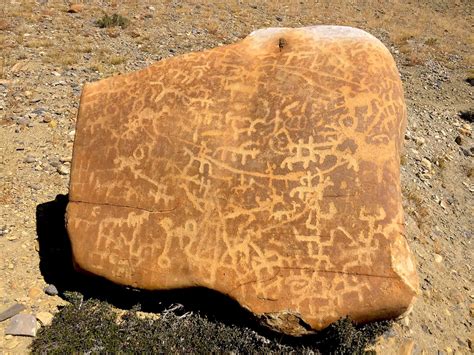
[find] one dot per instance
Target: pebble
(420, 140)
(11, 311)
(23, 121)
(458, 140)
(65, 159)
(55, 162)
(51, 290)
(30, 159)
(3, 231)
(438, 258)
(53, 124)
(63, 170)
(426, 163)
(39, 111)
(45, 318)
(22, 324)
(35, 187)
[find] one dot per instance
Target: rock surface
(22, 324)
(11, 311)
(267, 170)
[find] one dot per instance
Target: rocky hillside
(48, 50)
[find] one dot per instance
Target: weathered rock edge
(267, 170)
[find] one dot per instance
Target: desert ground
(48, 53)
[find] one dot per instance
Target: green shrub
(107, 21)
(93, 326)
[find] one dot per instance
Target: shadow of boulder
(205, 308)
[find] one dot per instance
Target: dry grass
(427, 29)
(117, 59)
(39, 43)
(61, 57)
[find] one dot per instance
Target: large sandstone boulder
(267, 170)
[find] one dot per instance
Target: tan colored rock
(267, 170)
(45, 318)
(35, 293)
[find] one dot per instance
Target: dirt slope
(47, 54)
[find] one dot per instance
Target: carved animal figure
(267, 170)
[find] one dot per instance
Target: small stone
(65, 159)
(53, 123)
(63, 170)
(55, 162)
(39, 111)
(51, 290)
(29, 159)
(11, 311)
(438, 258)
(3, 231)
(458, 140)
(22, 324)
(75, 8)
(420, 140)
(45, 318)
(426, 163)
(35, 187)
(47, 119)
(406, 322)
(23, 121)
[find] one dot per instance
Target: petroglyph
(267, 170)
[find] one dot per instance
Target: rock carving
(267, 170)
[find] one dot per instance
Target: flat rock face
(22, 324)
(267, 170)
